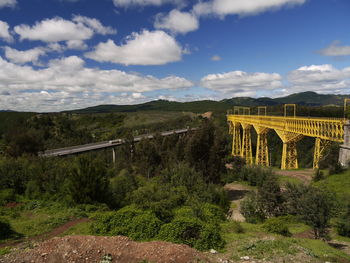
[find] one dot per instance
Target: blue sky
(67, 54)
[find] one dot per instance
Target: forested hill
(304, 98)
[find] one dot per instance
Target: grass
(337, 183)
(283, 180)
(323, 251)
(4, 251)
(79, 229)
(257, 244)
(37, 217)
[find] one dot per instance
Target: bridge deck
(105, 144)
(325, 128)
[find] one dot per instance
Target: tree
(87, 182)
(316, 210)
(270, 197)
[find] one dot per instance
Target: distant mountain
(308, 98)
(313, 99)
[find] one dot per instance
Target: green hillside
(304, 99)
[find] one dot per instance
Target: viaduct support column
(235, 130)
(246, 152)
(113, 155)
(289, 152)
(320, 145)
(262, 151)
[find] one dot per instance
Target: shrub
(128, 221)
(144, 226)
(250, 209)
(6, 196)
(5, 229)
(335, 168)
(237, 227)
(277, 225)
(343, 224)
(212, 213)
(192, 232)
(318, 176)
(255, 175)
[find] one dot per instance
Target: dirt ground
(80, 249)
(304, 175)
(236, 193)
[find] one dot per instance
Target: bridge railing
(324, 128)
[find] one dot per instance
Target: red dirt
(306, 234)
(12, 204)
(80, 249)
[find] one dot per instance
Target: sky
(68, 54)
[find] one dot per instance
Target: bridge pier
(262, 151)
(344, 151)
(235, 130)
(320, 146)
(246, 152)
(113, 155)
(289, 152)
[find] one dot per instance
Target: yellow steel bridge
(289, 129)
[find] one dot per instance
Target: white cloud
(130, 3)
(76, 44)
(177, 22)
(7, 3)
(4, 32)
(335, 49)
(68, 84)
(58, 29)
(145, 48)
(21, 57)
(239, 83)
(320, 78)
(94, 24)
(242, 8)
(215, 58)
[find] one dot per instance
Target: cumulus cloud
(177, 22)
(320, 78)
(239, 83)
(242, 8)
(25, 56)
(68, 84)
(7, 3)
(58, 29)
(335, 49)
(130, 3)
(145, 48)
(4, 32)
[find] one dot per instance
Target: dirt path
(236, 193)
(53, 233)
(303, 175)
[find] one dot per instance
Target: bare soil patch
(80, 249)
(236, 193)
(303, 175)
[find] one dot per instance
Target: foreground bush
(277, 225)
(193, 232)
(128, 221)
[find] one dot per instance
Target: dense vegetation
(169, 188)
